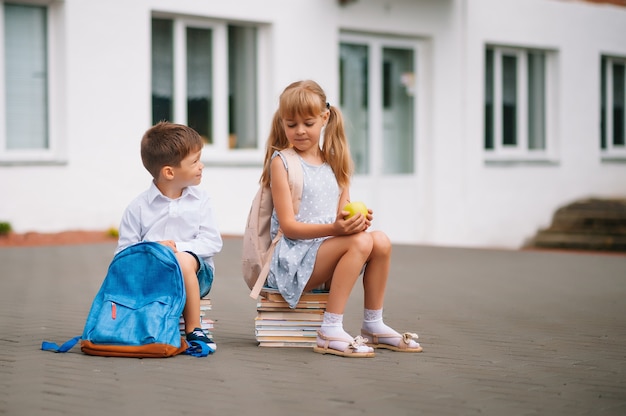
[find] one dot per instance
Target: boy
(176, 213)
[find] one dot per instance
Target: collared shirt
(187, 220)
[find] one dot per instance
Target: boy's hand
(169, 243)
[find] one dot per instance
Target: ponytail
(277, 140)
(335, 148)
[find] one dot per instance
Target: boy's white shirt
(187, 220)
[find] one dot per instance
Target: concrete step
(589, 224)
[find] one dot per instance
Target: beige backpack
(258, 246)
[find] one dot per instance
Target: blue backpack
(136, 312)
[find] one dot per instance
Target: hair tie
(327, 105)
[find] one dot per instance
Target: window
(613, 107)
(378, 100)
(517, 94)
(204, 74)
(24, 108)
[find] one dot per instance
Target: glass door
(377, 97)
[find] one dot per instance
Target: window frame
(218, 153)
(54, 153)
(376, 44)
(520, 152)
(610, 151)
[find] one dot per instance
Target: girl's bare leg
(340, 258)
(377, 271)
(374, 284)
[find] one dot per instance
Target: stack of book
(277, 325)
(206, 323)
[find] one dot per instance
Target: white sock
(373, 323)
(332, 326)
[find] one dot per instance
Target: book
(292, 315)
(286, 333)
(272, 323)
(278, 325)
(303, 302)
(300, 344)
(284, 307)
(283, 344)
(275, 296)
(285, 339)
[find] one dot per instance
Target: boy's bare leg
(191, 312)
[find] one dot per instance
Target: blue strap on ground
(68, 345)
(199, 349)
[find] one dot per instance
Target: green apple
(354, 208)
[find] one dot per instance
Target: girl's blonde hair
(307, 99)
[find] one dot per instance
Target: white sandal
(351, 351)
(403, 346)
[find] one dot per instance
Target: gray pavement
(504, 333)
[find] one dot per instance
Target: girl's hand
(353, 225)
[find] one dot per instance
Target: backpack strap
(68, 345)
(295, 176)
(198, 349)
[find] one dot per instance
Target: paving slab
(504, 333)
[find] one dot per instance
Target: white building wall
(102, 107)
(505, 204)
(106, 108)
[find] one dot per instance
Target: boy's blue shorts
(205, 275)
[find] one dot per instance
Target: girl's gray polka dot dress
(293, 260)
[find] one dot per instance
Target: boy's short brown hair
(167, 144)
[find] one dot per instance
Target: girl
(319, 246)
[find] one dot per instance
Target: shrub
(5, 228)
